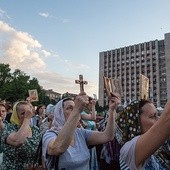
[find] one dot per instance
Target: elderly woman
(70, 143)
(19, 140)
(145, 136)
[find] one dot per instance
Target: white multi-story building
(151, 59)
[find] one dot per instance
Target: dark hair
(67, 99)
(142, 103)
(90, 98)
(2, 104)
(38, 108)
(8, 106)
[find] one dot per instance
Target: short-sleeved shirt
(19, 157)
(75, 157)
(127, 158)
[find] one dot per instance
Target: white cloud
(65, 20)
(62, 84)
(45, 15)
(46, 53)
(27, 39)
(21, 51)
(60, 19)
(5, 27)
(71, 66)
(3, 14)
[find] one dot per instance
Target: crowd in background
(68, 136)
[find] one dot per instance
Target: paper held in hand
(112, 86)
(144, 87)
(33, 94)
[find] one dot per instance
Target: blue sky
(55, 41)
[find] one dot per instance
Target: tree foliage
(14, 86)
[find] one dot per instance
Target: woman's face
(148, 117)
(68, 108)
(41, 110)
(21, 111)
(2, 112)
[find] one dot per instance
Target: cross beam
(81, 82)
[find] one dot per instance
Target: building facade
(69, 95)
(52, 94)
(151, 59)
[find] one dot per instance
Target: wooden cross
(81, 82)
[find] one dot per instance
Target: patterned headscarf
(129, 122)
(14, 117)
(129, 127)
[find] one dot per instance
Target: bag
(52, 164)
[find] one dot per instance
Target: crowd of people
(67, 135)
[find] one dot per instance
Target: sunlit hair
(38, 108)
(20, 103)
(142, 103)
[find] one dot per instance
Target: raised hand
(28, 113)
(93, 102)
(80, 101)
(114, 101)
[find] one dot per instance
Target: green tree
(14, 86)
(5, 78)
(5, 75)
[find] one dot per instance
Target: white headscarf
(49, 109)
(59, 118)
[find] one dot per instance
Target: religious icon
(112, 86)
(33, 94)
(144, 87)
